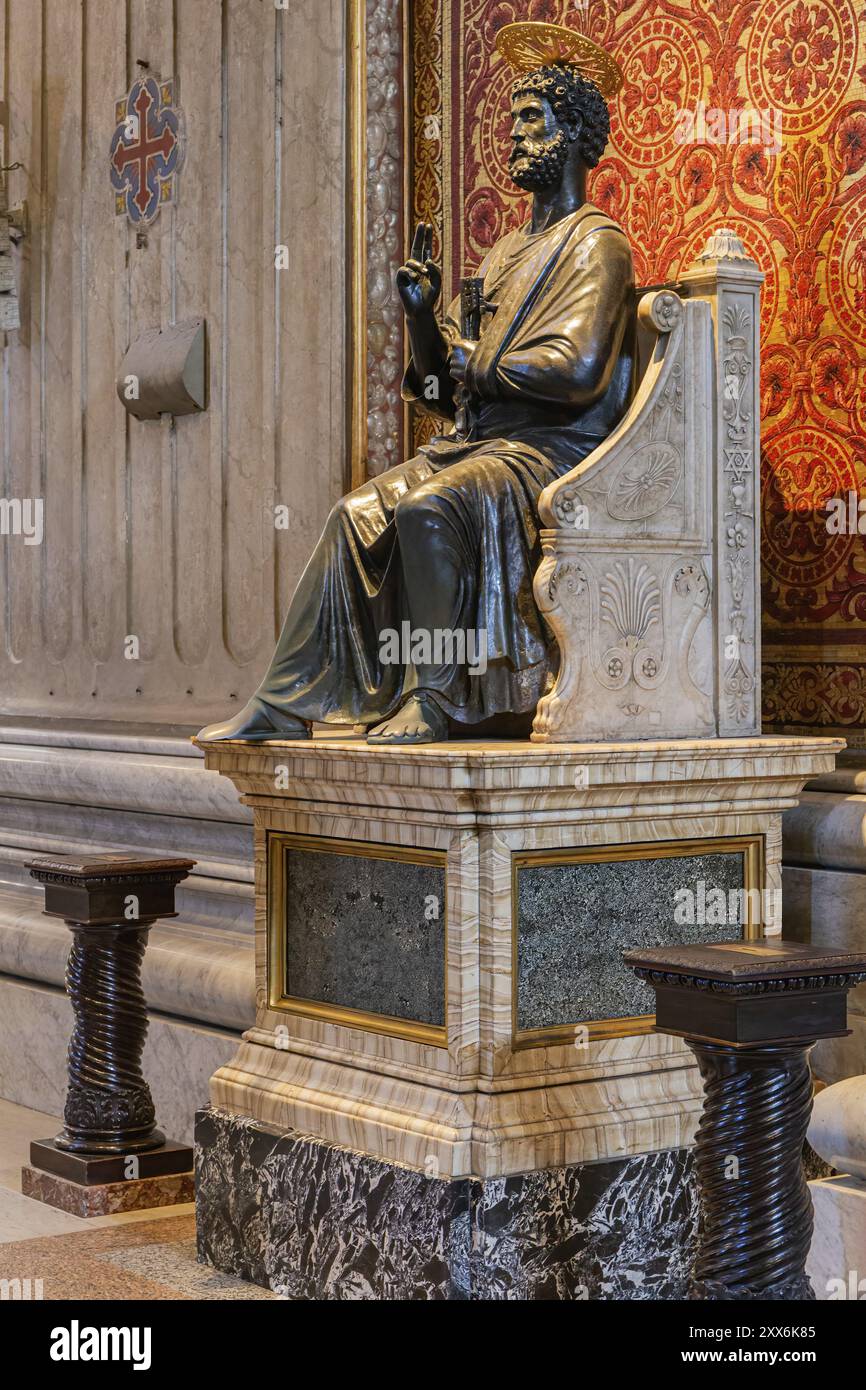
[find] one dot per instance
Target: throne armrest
(660, 312)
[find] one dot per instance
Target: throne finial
(723, 244)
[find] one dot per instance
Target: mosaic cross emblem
(146, 149)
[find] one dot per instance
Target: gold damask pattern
(749, 114)
(429, 139)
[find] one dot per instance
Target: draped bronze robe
(549, 379)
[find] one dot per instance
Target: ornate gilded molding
(385, 232)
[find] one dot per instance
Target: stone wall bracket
(164, 371)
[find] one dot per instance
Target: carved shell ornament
(630, 600)
(646, 482)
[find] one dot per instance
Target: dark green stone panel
(575, 920)
(360, 934)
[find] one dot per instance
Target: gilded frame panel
(752, 847)
(281, 1002)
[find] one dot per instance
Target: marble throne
(452, 1088)
(650, 577)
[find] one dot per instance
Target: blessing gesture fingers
(419, 280)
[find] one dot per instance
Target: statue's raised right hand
(419, 281)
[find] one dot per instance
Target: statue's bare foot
(419, 720)
(255, 723)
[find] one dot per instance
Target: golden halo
(533, 45)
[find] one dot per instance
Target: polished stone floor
(142, 1254)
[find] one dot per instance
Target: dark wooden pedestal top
(95, 891)
(107, 865)
(746, 962)
(750, 993)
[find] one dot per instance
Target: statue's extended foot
(419, 720)
(255, 723)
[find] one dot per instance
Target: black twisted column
(108, 1108)
(109, 902)
(750, 1012)
(758, 1225)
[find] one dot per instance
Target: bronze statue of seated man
(446, 545)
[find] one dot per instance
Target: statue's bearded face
(539, 144)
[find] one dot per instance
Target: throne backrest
(650, 571)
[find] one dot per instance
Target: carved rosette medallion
(646, 482)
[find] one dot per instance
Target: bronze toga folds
(449, 540)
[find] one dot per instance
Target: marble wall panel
(165, 529)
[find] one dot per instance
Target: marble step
(191, 971)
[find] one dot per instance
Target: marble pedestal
(837, 1259)
(106, 1198)
(440, 992)
(824, 855)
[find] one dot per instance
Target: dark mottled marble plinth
(312, 1220)
(575, 919)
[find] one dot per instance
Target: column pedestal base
(315, 1220)
(106, 1198)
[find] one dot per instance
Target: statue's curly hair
(572, 95)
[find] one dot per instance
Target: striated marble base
(315, 1220)
(453, 1089)
(106, 1199)
(439, 937)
